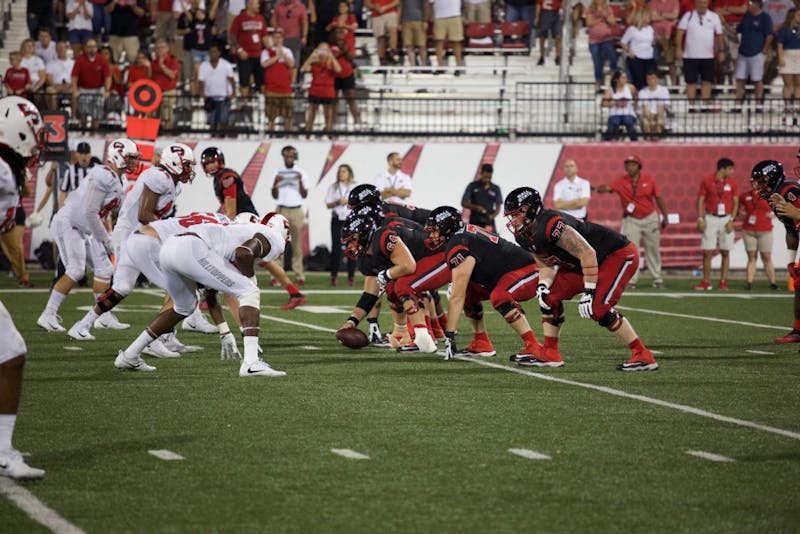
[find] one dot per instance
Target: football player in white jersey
(222, 258)
(80, 232)
(21, 138)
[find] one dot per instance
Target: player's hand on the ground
(383, 279)
(542, 292)
(348, 324)
(450, 345)
(586, 303)
(229, 350)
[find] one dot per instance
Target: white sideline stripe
(710, 456)
(530, 455)
(350, 453)
(36, 509)
(702, 318)
(765, 352)
(649, 400)
(311, 347)
(164, 454)
(72, 347)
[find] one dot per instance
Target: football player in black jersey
(574, 258)
(769, 181)
(231, 193)
(485, 267)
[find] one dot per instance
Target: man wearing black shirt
(484, 199)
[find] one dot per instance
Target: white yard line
(710, 456)
(350, 453)
(530, 455)
(36, 509)
(164, 454)
(764, 352)
(72, 348)
(702, 318)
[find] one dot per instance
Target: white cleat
(109, 321)
(156, 348)
(258, 368)
(197, 322)
(78, 332)
(134, 364)
(425, 342)
(171, 343)
(12, 465)
(50, 322)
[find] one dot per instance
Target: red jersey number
(474, 229)
(198, 218)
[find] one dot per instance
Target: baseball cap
(637, 159)
(83, 148)
(487, 167)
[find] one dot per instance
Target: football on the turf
(352, 338)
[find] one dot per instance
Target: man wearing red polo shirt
(717, 207)
(278, 63)
(166, 71)
(91, 84)
(639, 194)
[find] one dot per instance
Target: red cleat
(294, 301)
(723, 285)
(640, 360)
(301, 281)
(703, 286)
(479, 347)
(791, 337)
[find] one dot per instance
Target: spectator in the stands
(234, 8)
(165, 21)
(653, 102)
(345, 80)
(45, 47)
(620, 98)
(324, 12)
(524, 10)
(141, 69)
(180, 11)
(632, 7)
(249, 29)
(124, 33)
(40, 15)
(778, 11)
(279, 65)
(703, 31)
(17, 79)
(788, 39)
(756, 31)
(548, 24)
(292, 17)
(664, 19)
(59, 75)
(217, 87)
(385, 22)
(347, 21)
(323, 68)
(414, 35)
(117, 90)
(448, 26)
(101, 20)
(35, 67)
(166, 73)
(477, 11)
(79, 24)
(637, 42)
(600, 21)
(198, 31)
(91, 84)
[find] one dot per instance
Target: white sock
(7, 422)
(250, 349)
(138, 345)
(89, 318)
(54, 302)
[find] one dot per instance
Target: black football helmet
(363, 194)
(442, 223)
(374, 211)
(210, 155)
(357, 233)
(767, 177)
(521, 208)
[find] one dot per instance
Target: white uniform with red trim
(9, 196)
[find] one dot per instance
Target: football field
(372, 440)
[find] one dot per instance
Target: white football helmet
(123, 154)
(22, 127)
(179, 160)
(246, 217)
(278, 222)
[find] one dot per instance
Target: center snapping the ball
(352, 338)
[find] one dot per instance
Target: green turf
(437, 433)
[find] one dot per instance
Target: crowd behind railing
(226, 66)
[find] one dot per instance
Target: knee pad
(251, 298)
(474, 311)
(109, 299)
(410, 304)
(611, 320)
(505, 307)
(76, 272)
(557, 319)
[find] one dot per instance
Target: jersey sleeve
(554, 229)
(457, 252)
(385, 242)
(157, 182)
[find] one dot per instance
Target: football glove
(585, 305)
(229, 350)
(34, 220)
(383, 279)
(542, 292)
(450, 345)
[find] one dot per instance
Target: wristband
(353, 320)
(590, 285)
(224, 328)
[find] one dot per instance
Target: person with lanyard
(290, 188)
(757, 235)
(639, 194)
(394, 184)
(484, 199)
(336, 200)
(717, 208)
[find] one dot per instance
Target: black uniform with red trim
(383, 243)
(494, 256)
(552, 224)
(406, 211)
(790, 191)
(228, 184)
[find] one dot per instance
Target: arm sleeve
(91, 208)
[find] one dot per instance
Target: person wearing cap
(76, 173)
(483, 199)
(571, 194)
(717, 208)
(639, 194)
